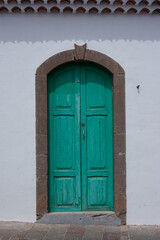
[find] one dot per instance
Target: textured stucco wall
(28, 40)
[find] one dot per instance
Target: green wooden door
(80, 142)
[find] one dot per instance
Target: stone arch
(80, 53)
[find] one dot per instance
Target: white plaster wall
(28, 40)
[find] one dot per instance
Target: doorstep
(106, 218)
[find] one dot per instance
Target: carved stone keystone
(79, 51)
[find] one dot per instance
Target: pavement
(37, 231)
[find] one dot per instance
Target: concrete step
(81, 218)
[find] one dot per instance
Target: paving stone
(21, 235)
(112, 229)
(124, 238)
(95, 228)
(75, 232)
(13, 230)
(12, 225)
(14, 238)
(6, 237)
(93, 233)
(111, 236)
(40, 227)
(9, 237)
(56, 232)
(157, 235)
(125, 233)
(35, 234)
(6, 234)
(142, 233)
(27, 228)
(88, 235)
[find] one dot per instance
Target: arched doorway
(80, 53)
(80, 138)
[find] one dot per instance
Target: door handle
(83, 135)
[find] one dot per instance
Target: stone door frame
(81, 53)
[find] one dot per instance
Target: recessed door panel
(64, 89)
(63, 147)
(97, 192)
(96, 142)
(95, 89)
(64, 191)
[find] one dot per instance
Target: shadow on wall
(45, 27)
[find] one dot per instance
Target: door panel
(95, 94)
(80, 138)
(64, 191)
(63, 147)
(97, 192)
(96, 142)
(96, 114)
(64, 140)
(64, 89)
